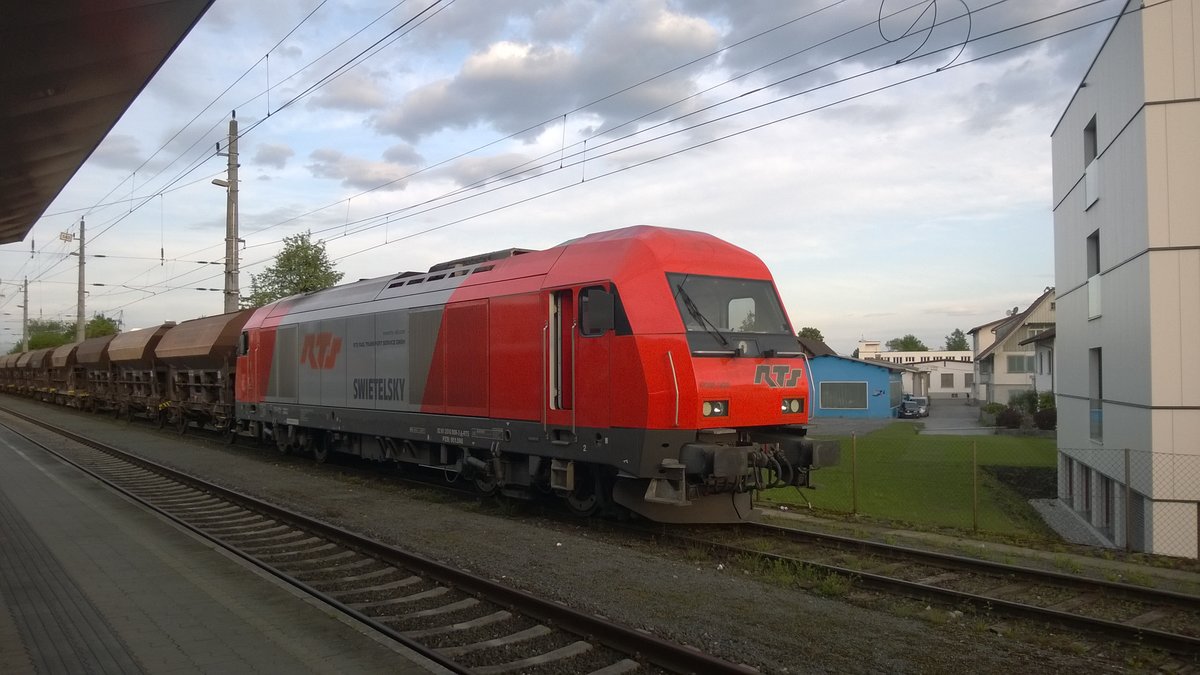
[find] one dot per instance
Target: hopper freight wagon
(199, 356)
(61, 364)
(93, 380)
(648, 368)
(36, 375)
(138, 378)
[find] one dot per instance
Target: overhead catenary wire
(650, 160)
(739, 132)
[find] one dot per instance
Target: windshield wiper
(707, 325)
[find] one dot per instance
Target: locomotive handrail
(574, 373)
(675, 382)
(545, 376)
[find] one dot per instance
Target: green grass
(927, 480)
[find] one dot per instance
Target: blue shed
(849, 387)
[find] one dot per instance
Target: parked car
(923, 402)
(911, 410)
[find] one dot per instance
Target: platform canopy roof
(68, 70)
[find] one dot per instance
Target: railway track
(466, 623)
(1130, 613)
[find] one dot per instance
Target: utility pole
(231, 216)
(80, 333)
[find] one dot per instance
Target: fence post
(1128, 507)
(854, 474)
(974, 487)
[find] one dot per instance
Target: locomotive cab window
(728, 305)
(597, 311)
(243, 347)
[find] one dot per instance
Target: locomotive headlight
(791, 406)
(715, 408)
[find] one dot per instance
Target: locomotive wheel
(487, 485)
(320, 449)
(281, 442)
(587, 498)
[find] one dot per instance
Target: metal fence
(1022, 487)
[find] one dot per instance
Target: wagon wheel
(181, 423)
(229, 433)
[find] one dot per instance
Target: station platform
(91, 582)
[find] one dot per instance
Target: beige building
(1126, 157)
(1005, 363)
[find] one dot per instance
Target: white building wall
(1141, 90)
(958, 370)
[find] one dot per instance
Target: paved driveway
(954, 416)
(946, 416)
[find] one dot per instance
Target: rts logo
(320, 350)
(777, 376)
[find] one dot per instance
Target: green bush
(994, 408)
(1046, 400)
(1009, 418)
(1046, 419)
(1026, 401)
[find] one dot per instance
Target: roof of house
(1013, 322)
(816, 347)
(1044, 336)
(886, 365)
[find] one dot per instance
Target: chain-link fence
(1134, 499)
(1022, 487)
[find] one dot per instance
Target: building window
(1085, 491)
(1070, 495)
(1096, 394)
(1105, 512)
(844, 395)
(1020, 363)
(1093, 254)
(1090, 145)
(968, 380)
(947, 380)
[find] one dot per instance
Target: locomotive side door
(578, 363)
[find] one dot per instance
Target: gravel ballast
(721, 609)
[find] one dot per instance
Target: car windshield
(727, 305)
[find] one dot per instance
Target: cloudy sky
(889, 160)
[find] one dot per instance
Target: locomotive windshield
(722, 304)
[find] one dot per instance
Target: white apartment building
(1126, 186)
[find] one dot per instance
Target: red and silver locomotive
(649, 368)
(645, 368)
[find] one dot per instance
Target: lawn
(926, 481)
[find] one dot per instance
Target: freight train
(645, 368)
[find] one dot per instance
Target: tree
(908, 343)
(100, 325)
(301, 267)
(47, 333)
(957, 341)
(55, 333)
(810, 333)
